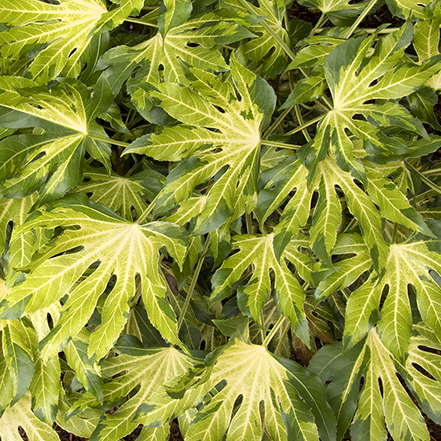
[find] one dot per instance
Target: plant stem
(139, 21)
(147, 211)
(360, 18)
(307, 124)
(319, 23)
(249, 223)
(273, 331)
(282, 145)
(427, 181)
(109, 140)
(276, 123)
(193, 282)
(301, 122)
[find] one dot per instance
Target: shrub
(216, 212)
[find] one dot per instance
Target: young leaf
(56, 35)
(121, 194)
(258, 252)
(104, 239)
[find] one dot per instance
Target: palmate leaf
(232, 148)
(264, 54)
(354, 82)
(383, 403)
(16, 211)
(423, 372)
(20, 415)
(408, 9)
(122, 194)
(409, 268)
(144, 369)
(50, 162)
(252, 373)
(121, 249)
(258, 252)
(346, 270)
(60, 32)
(193, 42)
(291, 174)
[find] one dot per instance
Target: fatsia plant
(216, 214)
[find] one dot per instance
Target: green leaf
(258, 252)
(263, 55)
(98, 237)
(354, 81)
(306, 90)
(122, 194)
(86, 369)
(18, 342)
(50, 162)
(45, 389)
(160, 57)
(235, 143)
(20, 415)
(143, 369)
(393, 204)
(172, 14)
(422, 370)
(409, 265)
(251, 372)
(57, 35)
(365, 368)
(346, 270)
(408, 9)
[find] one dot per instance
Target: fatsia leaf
(291, 174)
(20, 415)
(232, 150)
(144, 369)
(45, 388)
(354, 82)
(346, 270)
(258, 252)
(57, 35)
(16, 211)
(122, 194)
(409, 267)
(255, 375)
(383, 403)
(19, 342)
(264, 54)
(50, 162)
(408, 9)
(327, 6)
(425, 40)
(193, 42)
(86, 368)
(121, 249)
(172, 14)
(423, 372)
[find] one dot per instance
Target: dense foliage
(214, 211)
